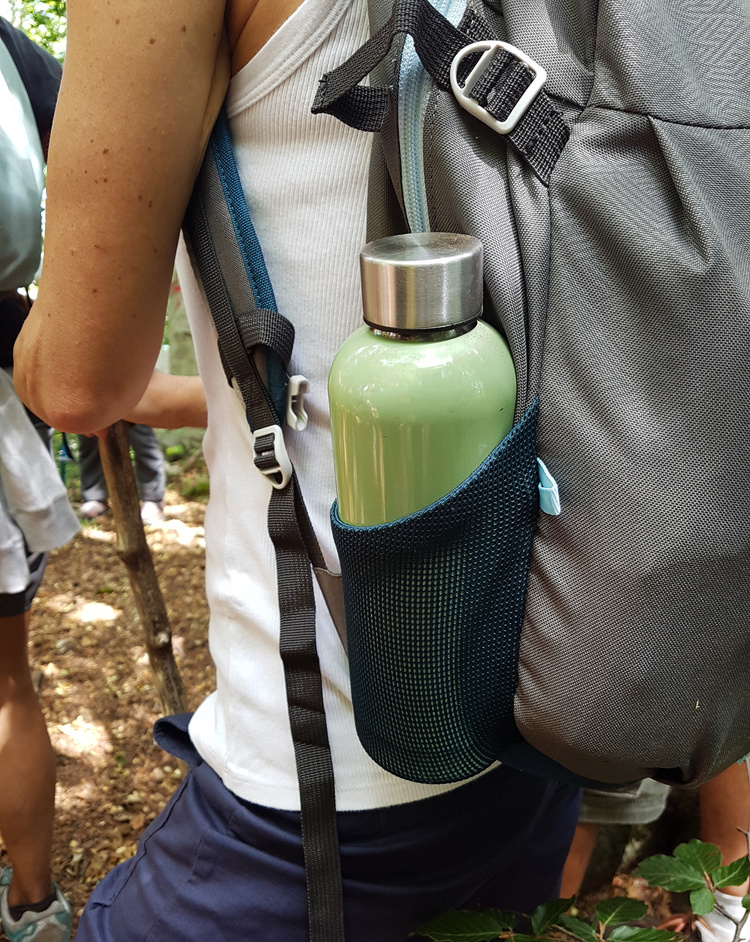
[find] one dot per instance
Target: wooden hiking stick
(134, 551)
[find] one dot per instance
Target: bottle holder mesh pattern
(434, 607)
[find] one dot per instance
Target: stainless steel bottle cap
(421, 281)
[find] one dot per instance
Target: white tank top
(305, 178)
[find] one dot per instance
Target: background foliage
(695, 867)
(45, 21)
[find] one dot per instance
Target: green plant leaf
(702, 901)
(734, 874)
(673, 874)
(463, 926)
(746, 901)
(639, 934)
(704, 857)
(620, 909)
(174, 452)
(578, 928)
(548, 914)
(506, 921)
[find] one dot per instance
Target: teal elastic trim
(549, 495)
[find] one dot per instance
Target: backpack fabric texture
(621, 279)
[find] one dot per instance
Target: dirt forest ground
(89, 661)
(92, 671)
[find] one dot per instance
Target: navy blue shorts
(214, 867)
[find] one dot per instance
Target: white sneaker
(152, 511)
(715, 927)
(53, 925)
(93, 509)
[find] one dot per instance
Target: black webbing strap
(266, 328)
(238, 365)
(539, 136)
(213, 241)
(304, 693)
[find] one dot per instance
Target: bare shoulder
(251, 23)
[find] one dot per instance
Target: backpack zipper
(414, 86)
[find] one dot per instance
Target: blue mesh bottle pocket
(434, 606)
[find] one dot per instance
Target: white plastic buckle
(296, 390)
(280, 473)
(490, 48)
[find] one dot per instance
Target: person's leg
(93, 483)
(27, 770)
(725, 815)
(725, 821)
(579, 858)
(640, 804)
(31, 906)
(149, 463)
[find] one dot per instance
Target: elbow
(59, 410)
(64, 404)
(74, 418)
(71, 387)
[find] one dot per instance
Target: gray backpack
(613, 202)
(579, 606)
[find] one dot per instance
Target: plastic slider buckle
(271, 456)
(296, 390)
(462, 93)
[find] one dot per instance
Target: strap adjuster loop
(462, 93)
(296, 416)
(271, 456)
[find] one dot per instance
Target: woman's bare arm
(141, 87)
(171, 402)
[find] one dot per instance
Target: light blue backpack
(21, 181)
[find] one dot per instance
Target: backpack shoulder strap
(230, 263)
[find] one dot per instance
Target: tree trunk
(134, 551)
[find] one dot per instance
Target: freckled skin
(138, 121)
(135, 120)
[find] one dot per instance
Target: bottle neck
(425, 336)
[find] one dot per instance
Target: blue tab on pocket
(549, 495)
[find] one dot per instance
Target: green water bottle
(425, 391)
